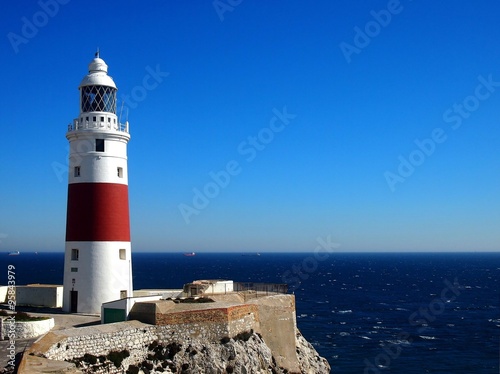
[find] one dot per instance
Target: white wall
(220, 287)
(25, 330)
(101, 274)
(127, 304)
(3, 293)
(48, 296)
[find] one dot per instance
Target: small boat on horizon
(189, 254)
(14, 253)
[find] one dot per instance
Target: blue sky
(375, 124)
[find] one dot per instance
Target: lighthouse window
(77, 171)
(99, 145)
(123, 255)
(74, 254)
(94, 118)
(98, 99)
(74, 270)
(102, 119)
(120, 172)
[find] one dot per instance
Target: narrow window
(99, 145)
(120, 172)
(123, 255)
(94, 118)
(75, 254)
(74, 270)
(123, 294)
(102, 119)
(87, 119)
(114, 120)
(77, 171)
(109, 120)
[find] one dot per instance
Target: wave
(399, 342)
(427, 337)
(342, 311)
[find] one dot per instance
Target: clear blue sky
(357, 85)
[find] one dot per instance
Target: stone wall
(211, 323)
(136, 336)
(212, 315)
(97, 340)
(25, 329)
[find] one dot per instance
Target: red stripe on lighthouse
(97, 212)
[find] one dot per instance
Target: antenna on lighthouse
(121, 111)
(97, 53)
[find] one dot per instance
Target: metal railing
(260, 287)
(96, 125)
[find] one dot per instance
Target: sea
(365, 312)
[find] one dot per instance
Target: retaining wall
(272, 316)
(25, 329)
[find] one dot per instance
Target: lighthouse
(97, 260)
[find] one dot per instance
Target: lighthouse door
(74, 301)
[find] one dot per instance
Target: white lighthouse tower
(97, 261)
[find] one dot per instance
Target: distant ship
(14, 253)
(189, 254)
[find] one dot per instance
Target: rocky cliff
(234, 334)
(244, 354)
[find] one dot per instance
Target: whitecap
(343, 333)
(427, 337)
(344, 311)
(365, 337)
(399, 341)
